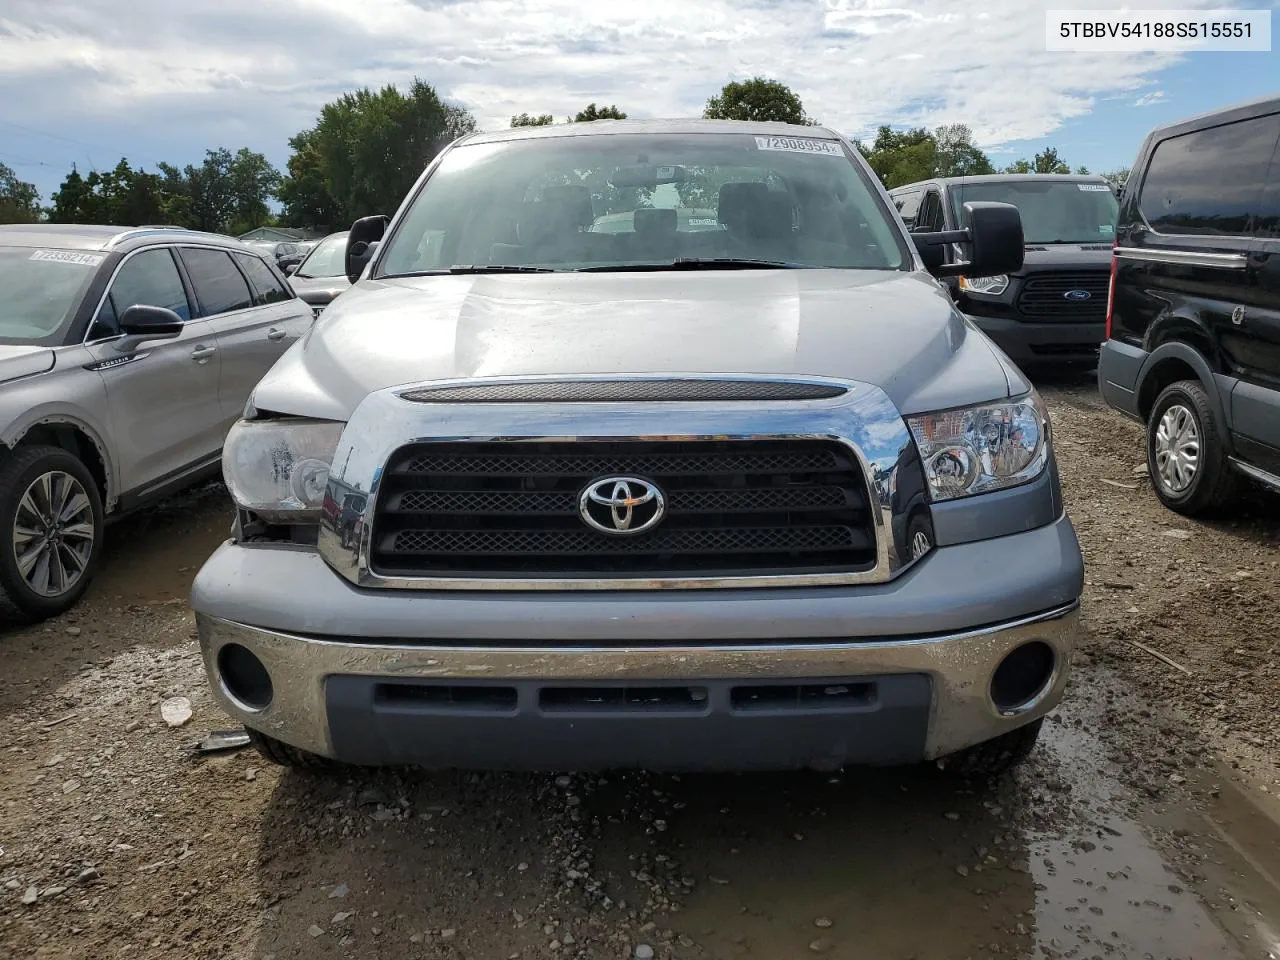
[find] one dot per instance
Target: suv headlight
(279, 469)
(983, 448)
(989, 286)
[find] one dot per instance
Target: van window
(908, 205)
(1209, 181)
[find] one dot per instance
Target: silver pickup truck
(738, 494)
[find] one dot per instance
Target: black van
(1053, 310)
(1193, 324)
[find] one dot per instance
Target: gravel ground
(1143, 827)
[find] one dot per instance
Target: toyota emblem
(622, 505)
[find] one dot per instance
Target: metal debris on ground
(220, 741)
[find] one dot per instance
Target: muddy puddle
(1062, 862)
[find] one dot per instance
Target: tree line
(367, 148)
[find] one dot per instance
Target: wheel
(1186, 455)
(281, 753)
(919, 536)
(995, 757)
(51, 513)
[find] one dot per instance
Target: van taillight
(1111, 292)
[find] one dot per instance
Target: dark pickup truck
(1053, 310)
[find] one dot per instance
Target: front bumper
(1028, 342)
(887, 673)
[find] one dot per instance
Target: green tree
(956, 155)
(1117, 177)
(121, 196)
(901, 156)
(253, 182)
(371, 146)
(1082, 171)
(525, 120)
(756, 99)
(71, 199)
(304, 193)
(19, 200)
(592, 112)
(1019, 166)
(1048, 161)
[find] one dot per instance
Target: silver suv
(675, 494)
(125, 356)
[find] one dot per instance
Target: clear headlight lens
(279, 468)
(991, 286)
(979, 449)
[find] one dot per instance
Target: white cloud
(206, 72)
(1147, 99)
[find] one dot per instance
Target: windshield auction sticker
(69, 256)
(799, 145)
(1094, 187)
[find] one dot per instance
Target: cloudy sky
(89, 81)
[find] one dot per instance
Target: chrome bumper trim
(960, 666)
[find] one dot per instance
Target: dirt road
(1142, 828)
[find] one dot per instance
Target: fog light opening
(1022, 676)
(244, 678)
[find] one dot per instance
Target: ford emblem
(1077, 295)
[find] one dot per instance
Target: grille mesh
(515, 464)
(1044, 296)
(606, 391)
(733, 508)
(735, 540)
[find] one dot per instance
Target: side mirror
(142, 322)
(362, 241)
(290, 269)
(993, 237)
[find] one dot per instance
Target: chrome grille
(1043, 296)
(734, 508)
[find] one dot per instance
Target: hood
(318, 291)
(20, 360)
(1065, 256)
(894, 329)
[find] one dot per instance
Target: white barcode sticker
(799, 145)
(69, 256)
(1094, 187)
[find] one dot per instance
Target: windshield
(40, 288)
(1052, 211)
(327, 259)
(610, 202)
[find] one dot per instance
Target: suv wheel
(51, 515)
(1186, 456)
(995, 757)
(281, 753)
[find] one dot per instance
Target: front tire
(285, 755)
(1186, 452)
(996, 757)
(51, 514)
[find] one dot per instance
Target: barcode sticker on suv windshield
(69, 256)
(1096, 187)
(799, 145)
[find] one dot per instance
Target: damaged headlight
(279, 469)
(978, 449)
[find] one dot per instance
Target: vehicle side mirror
(142, 322)
(993, 238)
(362, 241)
(290, 269)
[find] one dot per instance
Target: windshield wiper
(702, 263)
(498, 268)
